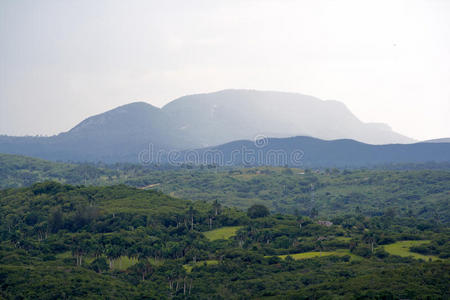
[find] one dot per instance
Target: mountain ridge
(260, 113)
(304, 151)
(441, 140)
(199, 121)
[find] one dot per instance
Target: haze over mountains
(228, 115)
(205, 120)
(442, 140)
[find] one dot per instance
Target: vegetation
(19, 171)
(403, 248)
(223, 233)
(122, 242)
(257, 211)
(295, 234)
(422, 194)
(312, 254)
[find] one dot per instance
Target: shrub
(257, 211)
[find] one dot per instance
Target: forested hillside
(18, 171)
(62, 241)
(422, 194)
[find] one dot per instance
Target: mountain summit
(229, 115)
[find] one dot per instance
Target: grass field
(124, 262)
(312, 254)
(63, 255)
(199, 263)
(121, 263)
(401, 248)
(343, 238)
(223, 233)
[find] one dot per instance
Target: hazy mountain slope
(116, 135)
(243, 114)
(312, 152)
(128, 129)
(443, 140)
(199, 121)
(139, 119)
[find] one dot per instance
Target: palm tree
(319, 243)
(211, 217)
(314, 212)
(217, 207)
(369, 238)
(113, 252)
(191, 213)
(300, 221)
(144, 267)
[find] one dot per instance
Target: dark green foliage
(418, 194)
(81, 242)
(257, 211)
(99, 265)
(362, 250)
(440, 246)
(330, 193)
(380, 253)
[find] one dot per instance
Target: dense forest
(328, 192)
(63, 241)
(18, 171)
(422, 194)
(126, 231)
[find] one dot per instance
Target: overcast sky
(62, 61)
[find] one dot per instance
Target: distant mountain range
(443, 140)
(199, 121)
(311, 152)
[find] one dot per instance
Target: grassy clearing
(124, 262)
(199, 263)
(63, 255)
(313, 254)
(401, 248)
(121, 263)
(223, 233)
(343, 238)
(245, 176)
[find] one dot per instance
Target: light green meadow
(223, 233)
(401, 248)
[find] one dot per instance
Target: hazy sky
(62, 61)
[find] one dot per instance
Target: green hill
(422, 194)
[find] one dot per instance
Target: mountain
(311, 152)
(443, 140)
(116, 135)
(133, 132)
(229, 115)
